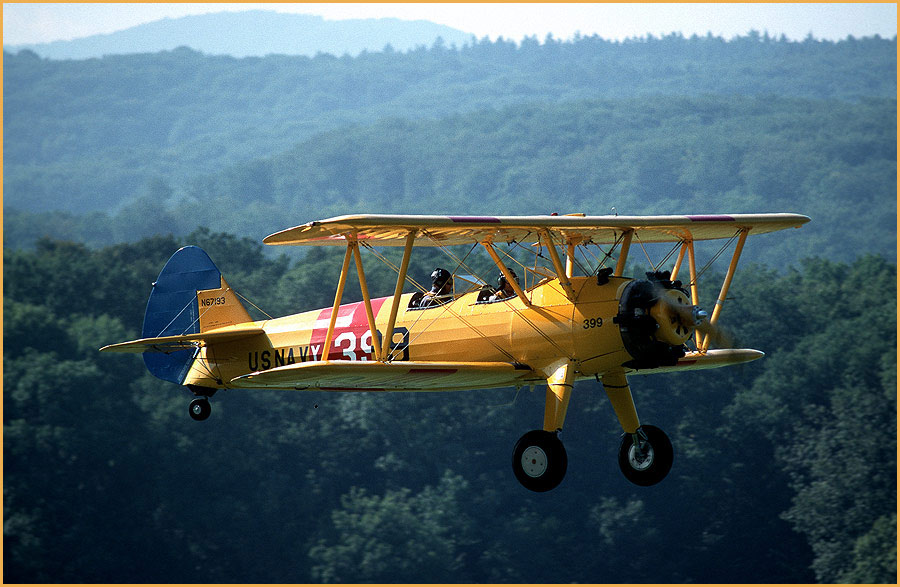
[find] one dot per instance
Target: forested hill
(255, 32)
(94, 134)
(832, 160)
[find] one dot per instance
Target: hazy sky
(37, 23)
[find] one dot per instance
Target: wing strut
(509, 278)
(623, 253)
(559, 390)
(725, 285)
(570, 259)
(395, 302)
(353, 249)
(561, 273)
(338, 294)
(695, 291)
(677, 267)
(367, 301)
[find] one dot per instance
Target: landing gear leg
(619, 394)
(539, 458)
(645, 455)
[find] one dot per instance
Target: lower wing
(710, 359)
(397, 376)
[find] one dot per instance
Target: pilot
(504, 288)
(441, 288)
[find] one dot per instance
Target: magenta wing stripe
(475, 219)
(711, 218)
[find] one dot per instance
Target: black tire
(655, 467)
(539, 460)
(200, 409)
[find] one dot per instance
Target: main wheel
(539, 460)
(200, 409)
(651, 463)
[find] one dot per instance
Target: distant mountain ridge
(255, 33)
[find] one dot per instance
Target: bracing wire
(508, 302)
(249, 301)
(197, 319)
(717, 255)
(461, 263)
(578, 264)
(393, 266)
(607, 255)
(655, 267)
(646, 254)
(444, 308)
(172, 321)
(510, 403)
(669, 255)
(205, 364)
(414, 283)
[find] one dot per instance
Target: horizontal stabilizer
(694, 361)
(397, 376)
(168, 344)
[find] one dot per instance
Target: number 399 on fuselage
(572, 317)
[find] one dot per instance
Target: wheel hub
(534, 461)
(640, 460)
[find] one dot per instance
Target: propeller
(677, 318)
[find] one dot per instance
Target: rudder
(189, 296)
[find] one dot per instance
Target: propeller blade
(690, 317)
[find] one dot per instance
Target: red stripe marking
(358, 326)
(433, 370)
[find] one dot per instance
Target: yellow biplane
(569, 318)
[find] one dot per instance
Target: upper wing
(397, 376)
(168, 344)
(392, 230)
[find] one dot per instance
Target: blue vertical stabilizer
(172, 308)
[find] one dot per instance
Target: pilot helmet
(439, 277)
(501, 279)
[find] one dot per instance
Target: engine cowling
(656, 319)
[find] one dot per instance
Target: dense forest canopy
(785, 468)
(831, 160)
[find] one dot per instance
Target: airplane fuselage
(460, 330)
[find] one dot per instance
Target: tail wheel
(649, 462)
(539, 460)
(200, 409)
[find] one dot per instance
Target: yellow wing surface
(711, 359)
(397, 376)
(392, 230)
(168, 344)
(441, 376)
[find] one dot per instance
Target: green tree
(399, 537)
